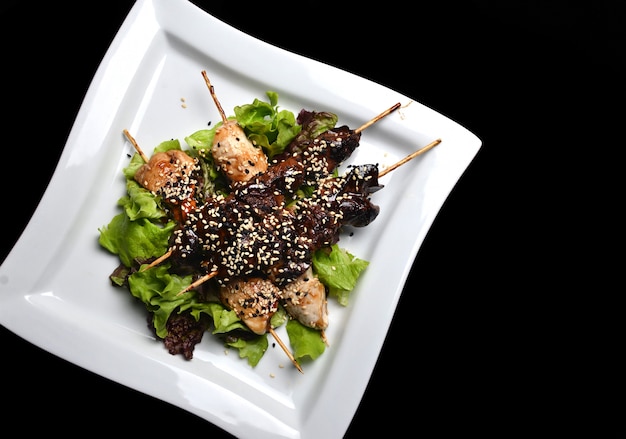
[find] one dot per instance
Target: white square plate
(68, 306)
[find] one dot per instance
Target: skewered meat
(315, 160)
(171, 174)
(252, 233)
(235, 154)
(320, 156)
(256, 300)
(305, 300)
(232, 151)
(253, 300)
(166, 171)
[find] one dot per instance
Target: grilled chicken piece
(305, 300)
(169, 174)
(235, 154)
(165, 169)
(254, 301)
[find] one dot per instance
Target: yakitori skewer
(238, 158)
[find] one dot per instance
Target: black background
(509, 323)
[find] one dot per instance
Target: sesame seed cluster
(258, 230)
(252, 298)
(239, 237)
(177, 190)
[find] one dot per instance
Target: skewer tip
(133, 142)
(409, 157)
(198, 282)
(372, 121)
(214, 96)
(285, 349)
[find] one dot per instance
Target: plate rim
(143, 10)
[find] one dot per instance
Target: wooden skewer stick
(377, 118)
(136, 146)
(198, 282)
(157, 261)
(287, 351)
(214, 96)
(409, 157)
(324, 338)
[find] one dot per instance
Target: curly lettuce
(339, 270)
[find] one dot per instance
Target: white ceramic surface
(54, 287)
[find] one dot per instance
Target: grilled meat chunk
(254, 301)
(171, 175)
(305, 300)
(235, 154)
(247, 234)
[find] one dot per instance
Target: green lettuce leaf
(201, 141)
(305, 341)
(225, 320)
(135, 163)
(266, 125)
(252, 349)
(167, 145)
(135, 240)
(140, 203)
(158, 290)
(279, 318)
(339, 270)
